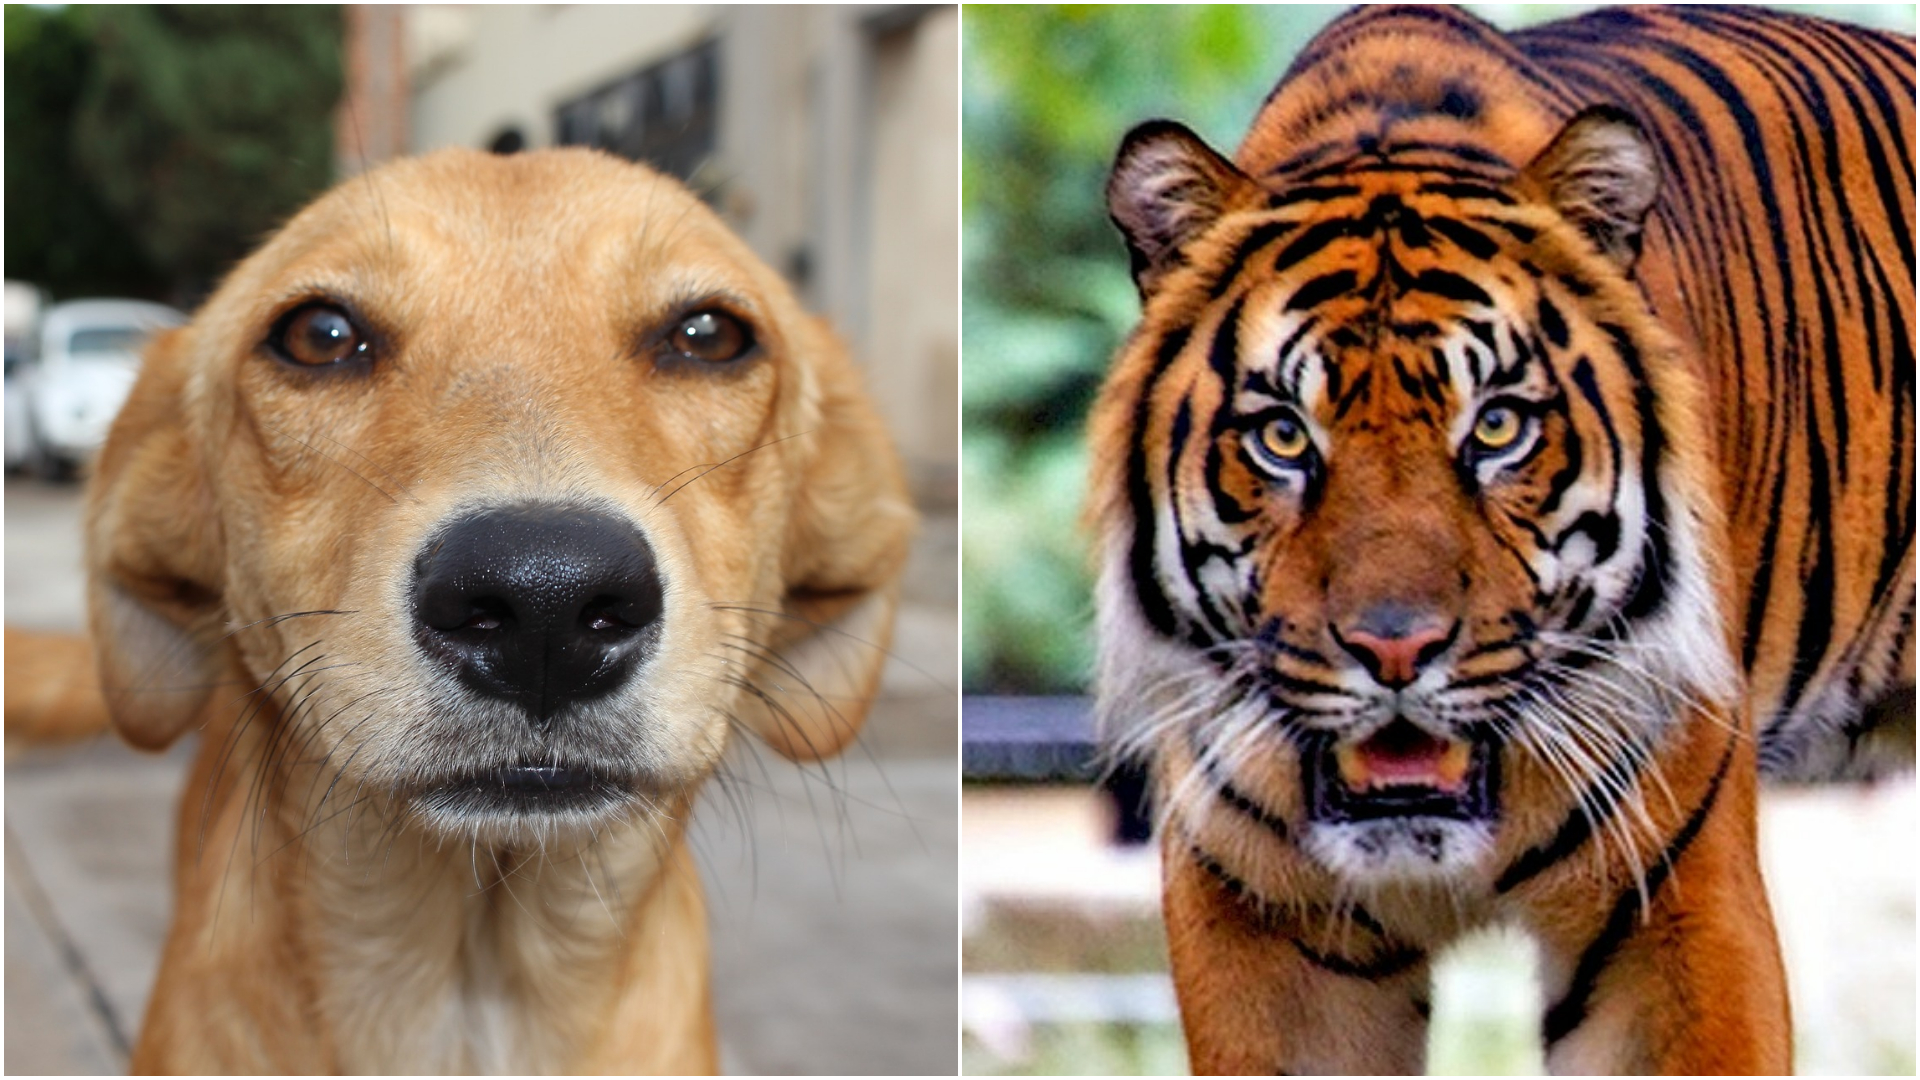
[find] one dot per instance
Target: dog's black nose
(542, 605)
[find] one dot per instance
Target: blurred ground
(830, 890)
(1063, 956)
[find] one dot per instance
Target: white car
(89, 354)
(18, 429)
(22, 304)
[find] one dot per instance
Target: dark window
(664, 115)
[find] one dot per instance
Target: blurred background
(1061, 947)
(148, 148)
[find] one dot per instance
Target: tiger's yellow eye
(1285, 438)
(1498, 427)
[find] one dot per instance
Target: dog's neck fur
(469, 957)
(433, 954)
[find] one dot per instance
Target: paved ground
(832, 892)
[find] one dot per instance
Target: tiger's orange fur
(1513, 462)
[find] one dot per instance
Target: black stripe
(1223, 352)
(1525, 234)
(1589, 388)
(1305, 686)
(1450, 285)
(1323, 288)
(1360, 391)
(1262, 906)
(1177, 438)
(1566, 476)
(1816, 581)
(1269, 637)
(1551, 323)
(1249, 246)
(1239, 801)
(1467, 153)
(1235, 887)
(1314, 240)
(1397, 958)
(1603, 529)
(1312, 193)
(1292, 342)
(1391, 962)
(1466, 237)
(1140, 557)
(1366, 162)
(1655, 574)
(1460, 189)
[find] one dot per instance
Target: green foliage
(1047, 94)
(204, 126)
(60, 233)
(150, 147)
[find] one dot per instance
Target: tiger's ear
(1168, 187)
(154, 559)
(846, 548)
(1602, 173)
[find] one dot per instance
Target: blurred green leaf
(1047, 94)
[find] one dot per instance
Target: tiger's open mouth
(1401, 771)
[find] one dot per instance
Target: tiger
(1512, 465)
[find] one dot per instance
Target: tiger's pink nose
(1395, 643)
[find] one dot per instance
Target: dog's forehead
(542, 221)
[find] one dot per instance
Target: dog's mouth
(527, 791)
(1400, 771)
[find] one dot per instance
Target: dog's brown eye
(319, 335)
(711, 336)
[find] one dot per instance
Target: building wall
(912, 317)
(481, 68)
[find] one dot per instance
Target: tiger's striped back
(1788, 229)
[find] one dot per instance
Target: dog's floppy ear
(154, 558)
(846, 547)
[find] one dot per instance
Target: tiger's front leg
(1692, 986)
(1266, 992)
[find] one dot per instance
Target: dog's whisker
(250, 709)
(362, 477)
(399, 485)
(319, 766)
(705, 470)
(837, 632)
(275, 620)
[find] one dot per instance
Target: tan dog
(464, 521)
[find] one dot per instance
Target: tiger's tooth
(1452, 767)
(1353, 767)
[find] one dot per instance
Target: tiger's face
(1400, 489)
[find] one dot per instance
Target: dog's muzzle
(542, 605)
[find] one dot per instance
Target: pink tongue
(1419, 764)
(1401, 755)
